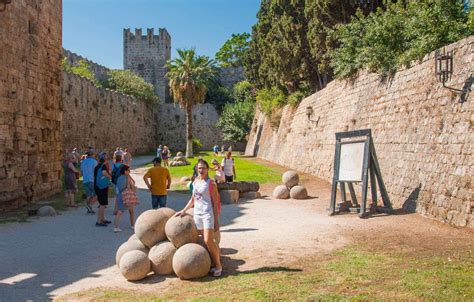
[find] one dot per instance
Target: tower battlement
(146, 55)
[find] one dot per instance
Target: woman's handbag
(129, 197)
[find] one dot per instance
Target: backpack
(101, 181)
(211, 189)
(116, 173)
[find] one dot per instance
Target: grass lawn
(355, 273)
(245, 169)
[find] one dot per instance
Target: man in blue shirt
(87, 170)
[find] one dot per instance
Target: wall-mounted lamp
(4, 2)
(444, 68)
(309, 114)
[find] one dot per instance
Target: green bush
(127, 82)
(197, 143)
(270, 99)
(295, 98)
(218, 95)
(236, 120)
(388, 39)
(81, 68)
(242, 91)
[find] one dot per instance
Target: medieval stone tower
(146, 55)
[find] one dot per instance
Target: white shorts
(204, 221)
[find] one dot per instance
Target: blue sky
(94, 28)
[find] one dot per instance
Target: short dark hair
(118, 157)
(157, 160)
(124, 168)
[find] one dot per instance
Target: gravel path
(54, 256)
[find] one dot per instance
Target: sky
(94, 28)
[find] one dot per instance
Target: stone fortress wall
(30, 103)
(146, 55)
(423, 134)
(104, 118)
(99, 71)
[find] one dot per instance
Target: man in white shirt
(229, 167)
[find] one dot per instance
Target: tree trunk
(189, 131)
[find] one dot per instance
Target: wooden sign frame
(370, 166)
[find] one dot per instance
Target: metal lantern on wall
(444, 66)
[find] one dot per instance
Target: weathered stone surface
(191, 261)
(30, 103)
(179, 161)
(290, 179)
(241, 186)
(421, 131)
(134, 265)
(150, 225)
(161, 257)
(47, 211)
(281, 192)
(250, 195)
(130, 245)
(298, 192)
(181, 230)
(229, 196)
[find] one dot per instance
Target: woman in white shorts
(206, 212)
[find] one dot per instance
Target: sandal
(215, 272)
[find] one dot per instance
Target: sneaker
(101, 224)
(107, 221)
(215, 272)
(89, 209)
(116, 230)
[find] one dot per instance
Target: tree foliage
(243, 91)
(388, 39)
(236, 120)
(218, 95)
(233, 50)
(127, 82)
(189, 76)
(81, 68)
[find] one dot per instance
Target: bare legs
(212, 247)
(119, 214)
(70, 198)
(101, 214)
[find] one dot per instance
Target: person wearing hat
(160, 181)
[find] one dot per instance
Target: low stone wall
(99, 71)
(104, 119)
(423, 134)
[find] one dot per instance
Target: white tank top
(202, 197)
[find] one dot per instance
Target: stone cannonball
(150, 225)
(134, 265)
(290, 179)
(181, 230)
(191, 261)
(298, 192)
(130, 245)
(281, 192)
(46, 211)
(133, 237)
(161, 257)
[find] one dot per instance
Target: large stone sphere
(281, 192)
(133, 237)
(191, 261)
(46, 211)
(290, 179)
(134, 265)
(161, 257)
(150, 225)
(181, 230)
(130, 245)
(298, 192)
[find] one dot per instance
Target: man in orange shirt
(160, 181)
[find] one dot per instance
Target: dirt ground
(255, 234)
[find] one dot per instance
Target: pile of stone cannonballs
(290, 187)
(165, 245)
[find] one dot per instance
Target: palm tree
(189, 76)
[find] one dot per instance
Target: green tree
(236, 120)
(218, 95)
(81, 68)
(243, 91)
(189, 76)
(127, 82)
(233, 50)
